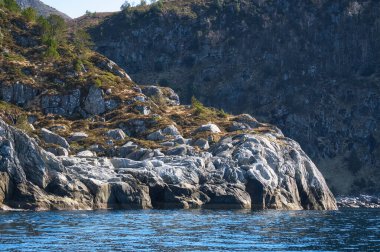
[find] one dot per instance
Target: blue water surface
(191, 230)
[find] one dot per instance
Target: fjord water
(196, 230)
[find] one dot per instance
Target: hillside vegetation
(49, 78)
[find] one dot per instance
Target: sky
(76, 8)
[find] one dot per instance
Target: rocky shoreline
(241, 172)
(361, 201)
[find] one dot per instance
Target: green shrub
(126, 6)
(57, 27)
(23, 124)
(221, 113)
(78, 65)
(82, 41)
(142, 3)
(51, 51)
(98, 83)
(157, 6)
(197, 106)
(10, 5)
(53, 31)
(29, 14)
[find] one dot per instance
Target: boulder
(210, 127)
(126, 149)
(77, 136)
(177, 151)
(112, 67)
(171, 130)
(180, 140)
(202, 143)
(142, 109)
(53, 138)
(58, 128)
(247, 120)
(236, 126)
(59, 151)
(94, 103)
(65, 105)
(116, 134)
(86, 153)
(18, 93)
(156, 136)
(161, 95)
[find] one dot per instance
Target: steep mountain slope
(309, 67)
(41, 8)
(91, 138)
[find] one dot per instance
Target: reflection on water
(198, 230)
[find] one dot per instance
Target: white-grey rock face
(53, 138)
(94, 103)
(243, 171)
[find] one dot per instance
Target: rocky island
(76, 133)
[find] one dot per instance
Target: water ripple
(197, 230)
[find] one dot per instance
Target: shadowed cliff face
(309, 67)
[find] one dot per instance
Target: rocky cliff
(41, 8)
(309, 67)
(77, 133)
